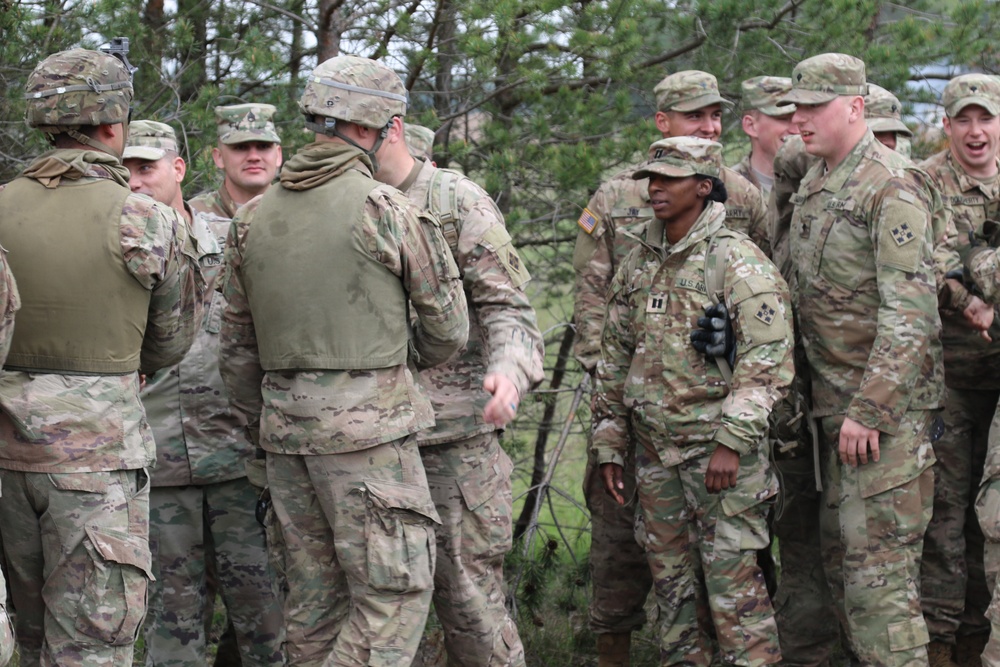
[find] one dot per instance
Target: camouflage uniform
(865, 301)
(199, 487)
(952, 579)
(237, 124)
(9, 303)
(761, 94)
(468, 472)
(609, 228)
(420, 141)
(344, 472)
(75, 441)
(678, 406)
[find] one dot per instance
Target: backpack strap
(715, 278)
(442, 201)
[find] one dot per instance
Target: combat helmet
(77, 87)
(354, 90)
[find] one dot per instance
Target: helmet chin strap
(81, 138)
(329, 128)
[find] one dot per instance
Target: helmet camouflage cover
(356, 90)
(77, 87)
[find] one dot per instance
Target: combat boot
(939, 654)
(613, 649)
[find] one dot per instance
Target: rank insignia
(765, 313)
(902, 234)
(514, 261)
(656, 304)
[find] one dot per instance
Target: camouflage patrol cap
(678, 157)
(883, 112)
(77, 87)
(822, 78)
(419, 140)
(356, 90)
(762, 93)
(149, 140)
(968, 89)
(689, 90)
(240, 123)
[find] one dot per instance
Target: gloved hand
(714, 336)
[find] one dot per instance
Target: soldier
(248, 153)
(200, 492)
(702, 460)
(952, 580)
(474, 396)
(864, 293)
(884, 116)
(10, 302)
(420, 141)
(689, 104)
(767, 125)
(75, 441)
(983, 270)
(316, 346)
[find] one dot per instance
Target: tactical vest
(318, 297)
(82, 311)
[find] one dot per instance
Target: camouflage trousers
(76, 548)
(676, 508)
(470, 484)
(953, 584)
(872, 546)
(619, 571)
(803, 605)
(182, 520)
(988, 512)
(358, 530)
(6, 627)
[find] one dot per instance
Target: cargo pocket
(113, 597)
(908, 635)
(382, 656)
(399, 526)
(988, 510)
(487, 495)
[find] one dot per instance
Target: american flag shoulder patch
(587, 221)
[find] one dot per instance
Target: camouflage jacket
(503, 331)
(10, 301)
(200, 439)
(609, 226)
(79, 423)
(651, 378)
(865, 287)
(969, 361)
(359, 408)
(217, 202)
(744, 169)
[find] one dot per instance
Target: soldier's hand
(855, 442)
(714, 335)
(611, 474)
(503, 406)
(723, 469)
(979, 316)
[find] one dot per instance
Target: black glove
(714, 336)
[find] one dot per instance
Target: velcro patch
(656, 303)
(587, 221)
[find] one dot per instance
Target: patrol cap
(822, 78)
(883, 112)
(678, 157)
(968, 89)
(240, 123)
(419, 140)
(762, 93)
(689, 90)
(149, 140)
